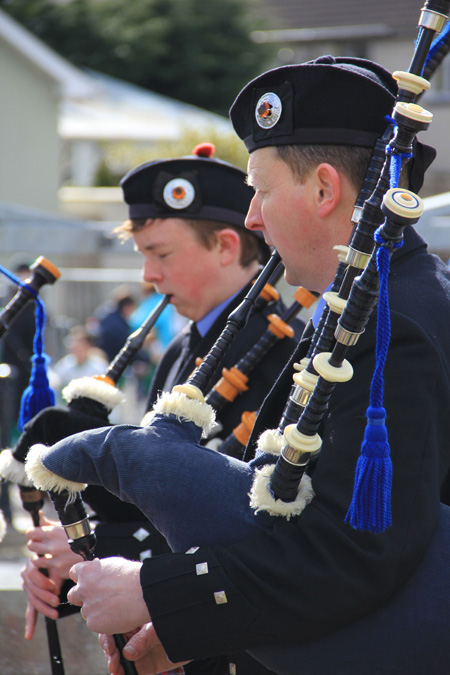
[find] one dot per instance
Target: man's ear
(228, 241)
(327, 182)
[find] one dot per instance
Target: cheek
(193, 289)
(201, 275)
(278, 230)
(190, 274)
(276, 214)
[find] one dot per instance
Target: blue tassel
(38, 395)
(370, 509)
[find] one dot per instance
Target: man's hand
(143, 648)
(42, 594)
(49, 543)
(110, 594)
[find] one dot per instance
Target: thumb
(30, 621)
(140, 643)
(43, 520)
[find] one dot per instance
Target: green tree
(121, 156)
(195, 51)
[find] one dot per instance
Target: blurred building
(384, 31)
(33, 79)
(434, 224)
(91, 259)
(56, 123)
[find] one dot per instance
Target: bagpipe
(235, 380)
(186, 409)
(90, 401)
(42, 272)
(210, 489)
(38, 394)
(183, 416)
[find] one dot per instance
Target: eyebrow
(152, 247)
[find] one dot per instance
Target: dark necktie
(190, 340)
(194, 337)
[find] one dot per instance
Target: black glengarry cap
(197, 186)
(328, 101)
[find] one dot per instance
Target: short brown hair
(349, 160)
(252, 247)
(352, 161)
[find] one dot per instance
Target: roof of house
(99, 107)
(398, 17)
(71, 80)
(123, 111)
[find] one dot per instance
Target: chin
(185, 311)
(293, 277)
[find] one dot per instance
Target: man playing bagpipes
(288, 577)
(186, 217)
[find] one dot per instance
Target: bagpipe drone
(212, 489)
(90, 401)
(182, 415)
(37, 395)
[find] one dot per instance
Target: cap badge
(179, 193)
(268, 110)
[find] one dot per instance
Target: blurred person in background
(168, 324)
(166, 328)
(83, 359)
(112, 321)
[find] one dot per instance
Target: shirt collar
(318, 311)
(205, 324)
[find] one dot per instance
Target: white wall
(28, 133)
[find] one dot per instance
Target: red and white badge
(179, 193)
(268, 110)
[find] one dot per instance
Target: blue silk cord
(436, 44)
(370, 508)
(14, 279)
(396, 161)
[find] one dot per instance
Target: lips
(173, 299)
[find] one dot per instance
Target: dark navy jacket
(302, 579)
